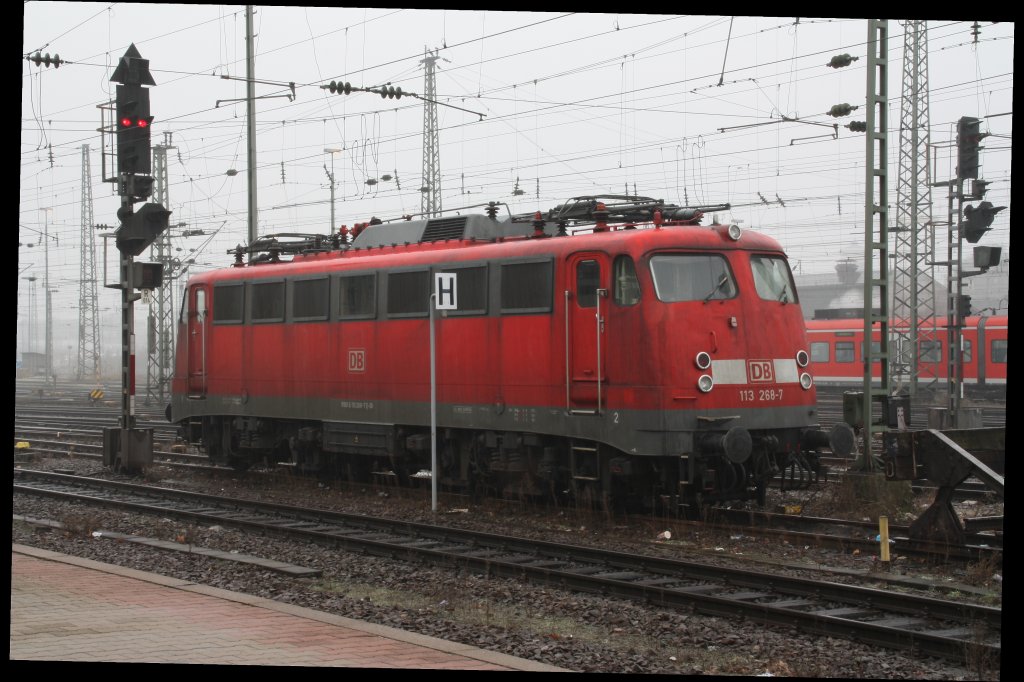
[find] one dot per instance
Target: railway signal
(148, 276)
(968, 139)
(127, 447)
(133, 129)
(978, 220)
(140, 229)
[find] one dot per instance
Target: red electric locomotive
(837, 352)
(611, 348)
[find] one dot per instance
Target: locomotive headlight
(705, 383)
(805, 380)
(735, 232)
(801, 358)
(703, 360)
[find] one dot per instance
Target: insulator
(838, 110)
(538, 224)
(38, 59)
(383, 93)
(398, 93)
(385, 177)
(371, 182)
(333, 87)
(858, 126)
(841, 60)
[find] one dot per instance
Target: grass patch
(486, 613)
(80, 525)
(871, 496)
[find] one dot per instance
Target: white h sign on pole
(444, 298)
(445, 287)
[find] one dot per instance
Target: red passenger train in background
(611, 348)
(837, 352)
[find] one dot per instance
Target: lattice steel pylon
(430, 199)
(876, 237)
(88, 316)
(913, 310)
(160, 322)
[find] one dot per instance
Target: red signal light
(126, 123)
(143, 123)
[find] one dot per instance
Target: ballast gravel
(578, 632)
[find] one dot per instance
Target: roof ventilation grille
(440, 229)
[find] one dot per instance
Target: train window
(998, 353)
(819, 351)
(588, 280)
(772, 278)
(876, 349)
(227, 303)
(310, 299)
(526, 287)
(626, 284)
(844, 351)
(691, 277)
(967, 350)
(931, 351)
(472, 289)
(267, 302)
(357, 297)
(408, 293)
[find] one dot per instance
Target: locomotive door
(198, 328)
(586, 307)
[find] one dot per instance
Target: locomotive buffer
(127, 448)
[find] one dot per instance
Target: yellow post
(883, 533)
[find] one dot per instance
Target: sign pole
(444, 297)
(433, 411)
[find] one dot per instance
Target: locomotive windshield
(692, 277)
(772, 279)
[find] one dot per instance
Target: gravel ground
(579, 632)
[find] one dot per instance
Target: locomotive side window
(967, 350)
(772, 279)
(526, 287)
(999, 349)
(267, 302)
(626, 285)
(472, 288)
(844, 351)
(228, 300)
(310, 299)
(931, 351)
(357, 297)
(691, 277)
(408, 293)
(819, 351)
(588, 280)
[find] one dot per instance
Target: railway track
(881, 617)
(847, 535)
(79, 435)
(840, 534)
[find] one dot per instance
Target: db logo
(761, 371)
(356, 360)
